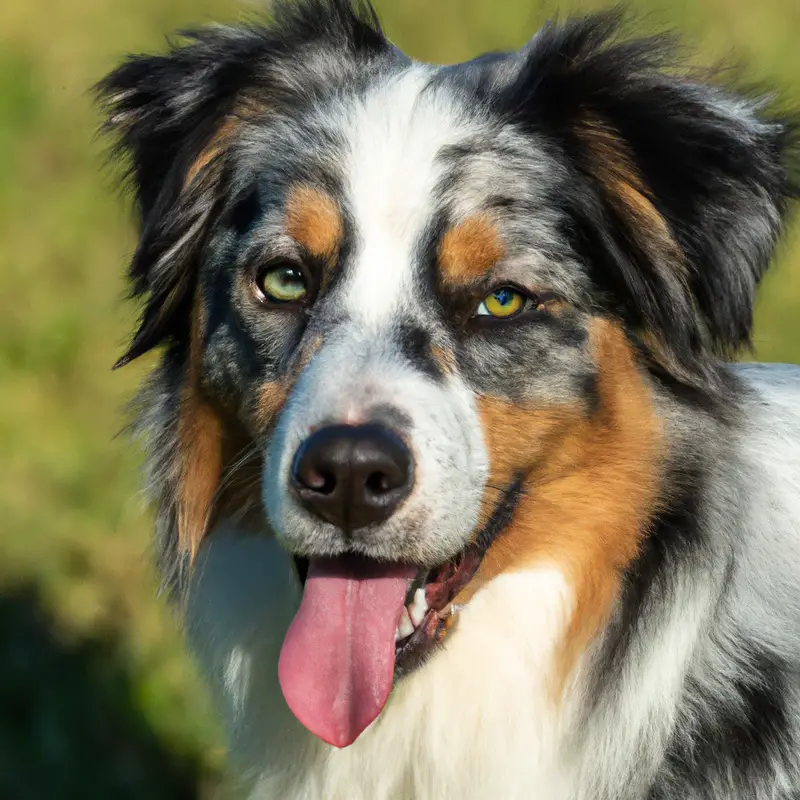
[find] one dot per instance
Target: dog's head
(425, 309)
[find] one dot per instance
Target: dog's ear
(685, 184)
(175, 117)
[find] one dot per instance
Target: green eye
(502, 303)
(282, 284)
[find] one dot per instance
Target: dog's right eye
(281, 284)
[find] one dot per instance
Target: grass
(96, 695)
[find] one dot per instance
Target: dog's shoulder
(770, 434)
(772, 385)
(768, 481)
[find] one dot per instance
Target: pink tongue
(337, 662)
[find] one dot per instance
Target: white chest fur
(478, 719)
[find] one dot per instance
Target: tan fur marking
(309, 351)
(469, 250)
(211, 152)
(270, 401)
(613, 165)
(314, 221)
(200, 442)
(592, 485)
(273, 394)
(444, 358)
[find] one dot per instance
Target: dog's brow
(469, 250)
(314, 221)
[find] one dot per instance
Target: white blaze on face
(391, 167)
(394, 135)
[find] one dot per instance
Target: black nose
(352, 475)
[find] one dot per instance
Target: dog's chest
(477, 719)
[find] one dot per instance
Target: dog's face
(423, 311)
(430, 306)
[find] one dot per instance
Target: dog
(458, 490)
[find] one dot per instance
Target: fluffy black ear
(684, 185)
(175, 116)
(170, 115)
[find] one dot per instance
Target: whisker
(505, 489)
(236, 467)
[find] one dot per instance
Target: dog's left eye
(503, 303)
(285, 283)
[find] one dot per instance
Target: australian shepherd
(456, 489)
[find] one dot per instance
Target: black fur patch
(674, 536)
(415, 343)
(736, 744)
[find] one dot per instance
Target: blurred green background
(97, 698)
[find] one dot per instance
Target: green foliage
(96, 690)
(72, 726)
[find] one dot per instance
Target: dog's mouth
(428, 611)
(362, 624)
